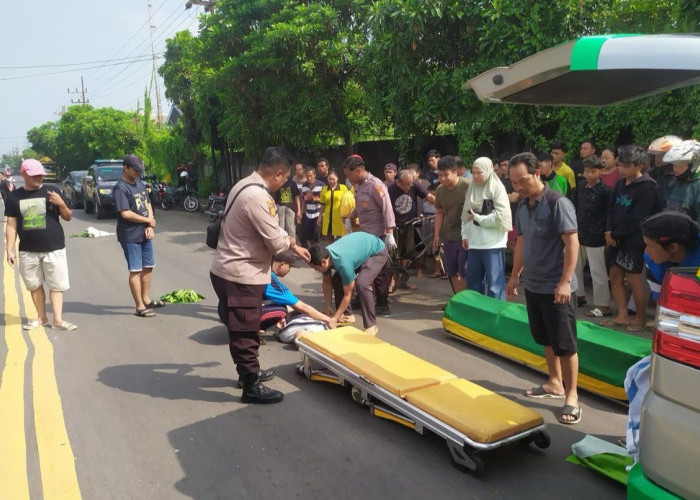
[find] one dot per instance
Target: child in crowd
(592, 203)
(633, 199)
(555, 181)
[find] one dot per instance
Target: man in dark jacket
(633, 199)
(591, 211)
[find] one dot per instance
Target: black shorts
(628, 255)
(552, 324)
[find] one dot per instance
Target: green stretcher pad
(605, 355)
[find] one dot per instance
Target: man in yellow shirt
(558, 150)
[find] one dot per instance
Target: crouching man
(357, 259)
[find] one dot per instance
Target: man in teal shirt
(357, 259)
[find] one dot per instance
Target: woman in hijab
(486, 220)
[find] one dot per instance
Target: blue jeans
(139, 255)
(486, 272)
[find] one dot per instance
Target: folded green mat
(604, 354)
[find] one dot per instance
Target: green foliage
(43, 139)
(85, 134)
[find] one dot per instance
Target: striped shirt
(313, 208)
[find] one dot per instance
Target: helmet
(664, 143)
(684, 152)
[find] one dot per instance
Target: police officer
(240, 270)
(376, 216)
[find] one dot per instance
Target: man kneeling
(357, 258)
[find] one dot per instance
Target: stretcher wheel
(542, 440)
(466, 461)
(477, 468)
(356, 394)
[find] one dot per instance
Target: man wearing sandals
(33, 213)
(135, 231)
(546, 252)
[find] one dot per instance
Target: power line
(108, 75)
(68, 64)
(72, 70)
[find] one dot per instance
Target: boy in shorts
(135, 231)
(633, 199)
(33, 213)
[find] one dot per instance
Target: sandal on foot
(346, 319)
(632, 327)
(408, 286)
(155, 304)
(435, 275)
(610, 323)
(35, 323)
(540, 392)
(571, 411)
(144, 313)
(65, 326)
(597, 313)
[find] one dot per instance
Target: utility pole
(83, 99)
(154, 74)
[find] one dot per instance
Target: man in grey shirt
(546, 250)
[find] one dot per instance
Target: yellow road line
(13, 443)
(56, 459)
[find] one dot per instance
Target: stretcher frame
(317, 366)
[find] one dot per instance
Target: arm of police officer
(262, 213)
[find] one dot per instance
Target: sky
(46, 47)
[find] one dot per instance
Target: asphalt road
(151, 409)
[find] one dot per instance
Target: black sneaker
(263, 376)
(257, 393)
(581, 301)
(382, 310)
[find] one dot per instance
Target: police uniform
(373, 209)
(240, 269)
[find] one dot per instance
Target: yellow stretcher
(401, 387)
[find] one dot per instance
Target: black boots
(263, 376)
(255, 392)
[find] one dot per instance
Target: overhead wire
(107, 80)
(102, 77)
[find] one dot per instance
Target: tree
(43, 138)
(85, 134)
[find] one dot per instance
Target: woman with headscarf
(486, 220)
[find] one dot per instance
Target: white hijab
(493, 189)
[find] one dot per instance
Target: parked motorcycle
(183, 194)
(155, 189)
(217, 205)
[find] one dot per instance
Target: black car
(73, 188)
(98, 185)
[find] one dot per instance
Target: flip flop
(572, 411)
(613, 324)
(434, 275)
(144, 313)
(65, 326)
(35, 323)
(635, 328)
(153, 304)
(597, 313)
(540, 392)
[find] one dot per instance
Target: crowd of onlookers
(455, 221)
